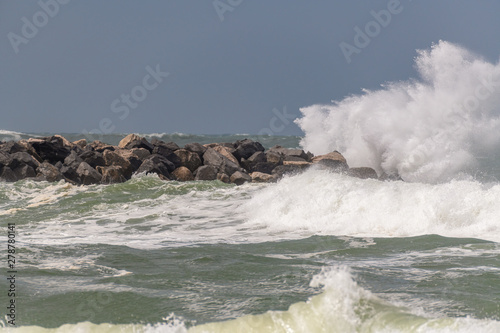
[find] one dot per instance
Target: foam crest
(428, 130)
(323, 203)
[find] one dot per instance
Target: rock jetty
(55, 158)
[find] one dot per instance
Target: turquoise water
(318, 252)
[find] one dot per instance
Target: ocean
(314, 252)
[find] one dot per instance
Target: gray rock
(24, 171)
(220, 162)
(21, 158)
(116, 158)
(7, 175)
(51, 149)
(93, 158)
(73, 160)
(48, 172)
(188, 159)
(156, 164)
(289, 152)
(246, 148)
(223, 178)
(111, 174)
(196, 148)
(363, 173)
(87, 174)
(5, 158)
(257, 157)
(206, 172)
(240, 178)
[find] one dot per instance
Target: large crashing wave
(429, 130)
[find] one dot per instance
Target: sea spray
(431, 129)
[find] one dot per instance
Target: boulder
(301, 163)
(5, 158)
(274, 157)
(226, 152)
(30, 150)
(289, 152)
(48, 172)
(24, 171)
(170, 145)
(239, 178)
(135, 141)
(335, 165)
(87, 174)
(134, 160)
(22, 158)
(80, 143)
(257, 157)
(182, 174)
(156, 164)
(264, 167)
(116, 158)
(141, 153)
(11, 147)
(111, 174)
(51, 149)
(161, 148)
(196, 148)
(73, 160)
(363, 173)
(93, 158)
(259, 177)
(335, 155)
(246, 148)
(188, 159)
(7, 175)
(220, 162)
(223, 178)
(99, 146)
(282, 170)
(206, 172)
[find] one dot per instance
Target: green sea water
(317, 252)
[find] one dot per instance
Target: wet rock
(206, 172)
(111, 174)
(51, 149)
(5, 159)
(135, 141)
(246, 148)
(93, 158)
(182, 174)
(188, 159)
(257, 157)
(289, 152)
(274, 157)
(24, 171)
(87, 174)
(141, 153)
(22, 158)
(220, 162)
(156, 164)
(239, 178)
(223, 178)
(196, 148)
(99, 146)
(11, 147)
(7, 175)
(48, 172)
(80, 143)
(264, 167)
(115, 158)
(259, 177)
(170, 145)
(226, 152)
(165, 150)
(290, 169)
(363, 173)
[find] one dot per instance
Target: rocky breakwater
(55, 158)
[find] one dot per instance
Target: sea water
(315, 252)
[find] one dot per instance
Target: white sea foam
(429, 130)
(323, 203)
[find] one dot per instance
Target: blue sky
(232, 64)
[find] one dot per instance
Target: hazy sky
(80, 65)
